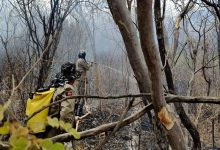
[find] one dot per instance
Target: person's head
(82, 54)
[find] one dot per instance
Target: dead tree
(37, 19)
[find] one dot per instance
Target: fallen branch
(104, 127)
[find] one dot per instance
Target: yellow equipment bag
(38, 122)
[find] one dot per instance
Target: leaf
(67, 126)
(13, 127)
(36, 142)
(20, 143)
(47, 144)
(53, 122)
(74, 133)
(62, 123)
(22, 131)
(58, 146)
(5, 128)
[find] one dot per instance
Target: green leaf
(74, 133)
(53, 122)
(5, 128)
(58, 146)
(20, 143)
(47, 144)
(62, 123)
(67, 126)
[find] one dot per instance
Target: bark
(168, 73)
(150, 50)
(122, 18)
(47, 59)
(219, 38)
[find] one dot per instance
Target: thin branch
(169, 98)
(85, 96)
(177, 26)
(214, 5)
(180, 53)
(45, 50)
(164, 9)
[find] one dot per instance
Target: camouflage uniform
(66, 108)
(82, 66)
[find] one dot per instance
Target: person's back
(81, 65)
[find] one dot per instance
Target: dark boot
(76, 109)
(80, 111)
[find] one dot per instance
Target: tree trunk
(168, 73)
(218, 34)
(122, 18)
(150, 49)
(47, 60)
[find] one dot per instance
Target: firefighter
(82, 66)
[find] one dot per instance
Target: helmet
(82, 54)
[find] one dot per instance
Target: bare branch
(45, 50)
(177, 26)
(169, 98)
(214, 5)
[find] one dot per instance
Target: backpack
(39, 99)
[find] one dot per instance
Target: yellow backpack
(38, 122)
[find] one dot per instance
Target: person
(69, 74)
(65, 81)
(82, 66)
